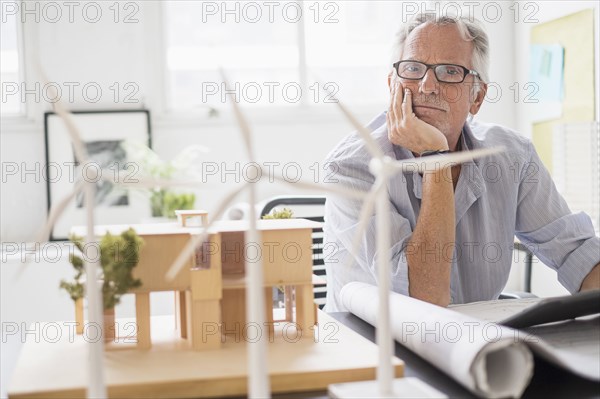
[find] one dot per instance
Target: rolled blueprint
(488, 359)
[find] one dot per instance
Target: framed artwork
(103, 133)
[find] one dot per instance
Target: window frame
(304, 112)
(31, 115)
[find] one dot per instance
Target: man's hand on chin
(406, 130)
(592, 280)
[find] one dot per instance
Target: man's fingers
(407, 103)
(393, 103)
(396, 102)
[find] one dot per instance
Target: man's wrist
(438, 145)
(427, 153)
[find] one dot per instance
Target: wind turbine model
(257, 371)
(97, 384)
(96, 377)
(381, 166)
(258, 377)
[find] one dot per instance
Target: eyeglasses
(446, 73)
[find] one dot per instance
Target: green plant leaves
(118, 256)
(285, 213)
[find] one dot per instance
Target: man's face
(443, 105)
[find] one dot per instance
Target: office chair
(528, 263)
(312, 207)
(526, 293)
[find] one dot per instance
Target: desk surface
(548, 380)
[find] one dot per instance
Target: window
(9, 66)
(355, 51)
(282, 53)
(257, 56)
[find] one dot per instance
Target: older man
(452, 230)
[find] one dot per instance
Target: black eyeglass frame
(467, 71)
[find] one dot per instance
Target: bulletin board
(575, 33)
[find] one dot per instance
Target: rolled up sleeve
(564, 241)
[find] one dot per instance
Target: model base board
(171, 369)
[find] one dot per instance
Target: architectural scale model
(210, 292)
(215, 293)
(205, 355)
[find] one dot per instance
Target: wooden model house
(210, 291)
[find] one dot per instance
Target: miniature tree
(119, 254)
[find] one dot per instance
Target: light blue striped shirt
(496, 198)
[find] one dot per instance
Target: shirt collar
(471, 184)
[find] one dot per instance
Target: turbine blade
(57, 210)
(444, 160)
(97, 385)
(333, 189)
(240, 118)
(76, 139)
(371, 144)
(365, 214)
(148, 183)
(197, 239)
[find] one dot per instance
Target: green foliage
(156, 202)
(285, 213)
(165, 203)
(173, 202)
(184, 165)
(118, 256)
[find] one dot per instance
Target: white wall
(108, 52)
(498, 107)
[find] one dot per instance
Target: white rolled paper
(486, 358)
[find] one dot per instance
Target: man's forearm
(592, 280)
(429, 253)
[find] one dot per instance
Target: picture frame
(103, 132)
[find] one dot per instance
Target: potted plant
(285, 213)
(163, 201)
(119, 254)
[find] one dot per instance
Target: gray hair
(470, 30)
